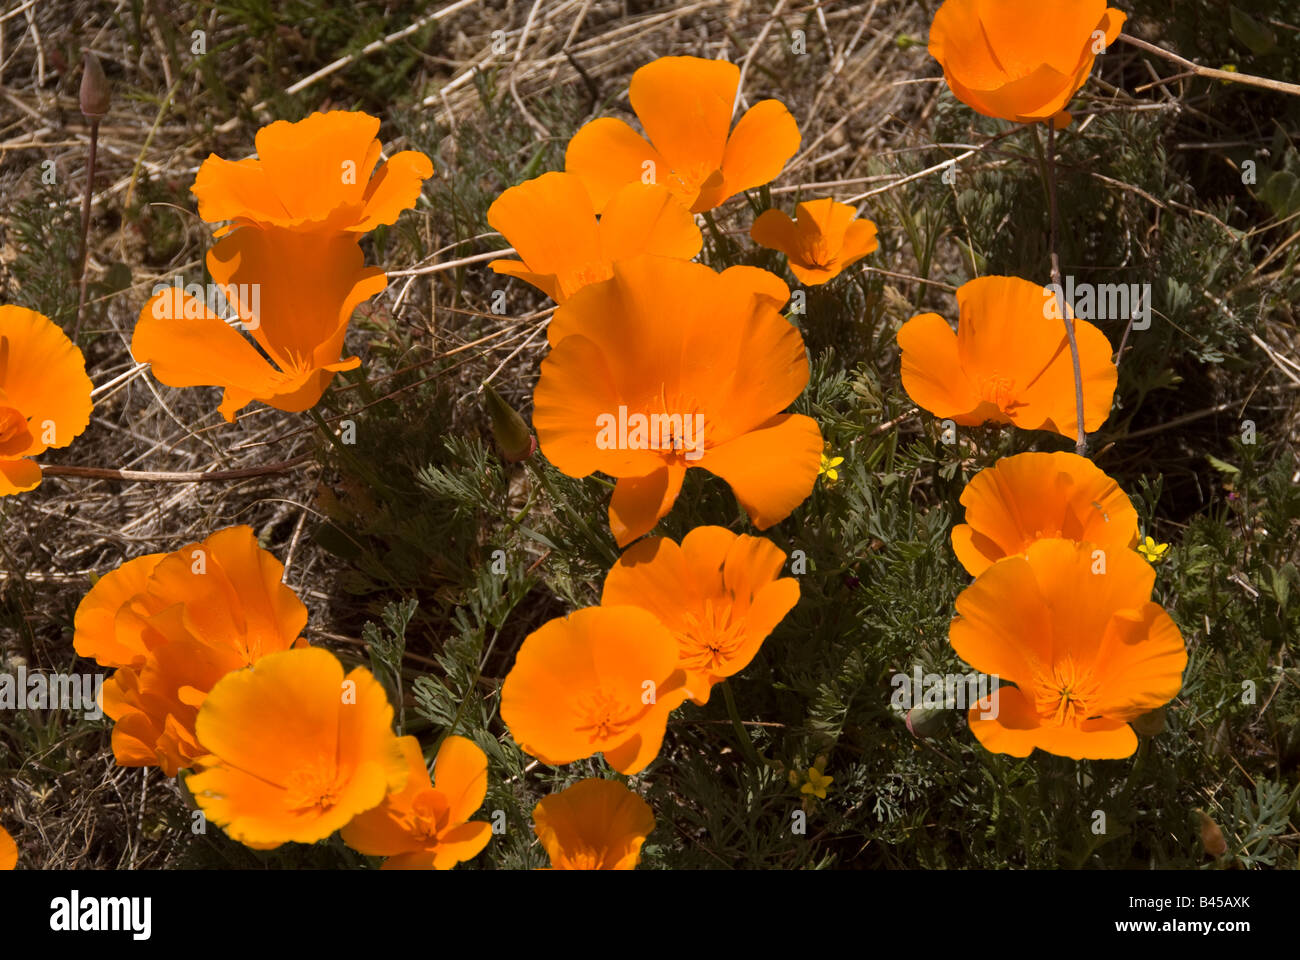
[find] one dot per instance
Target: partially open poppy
(294, 291)
(669, 365)
(593, 825)
(719, 593)
(821, 242)
(552, 226)
(1035, 496)
(44, 395)
(174, 624)
(601, 680)
(8, 850)
(296, 749)
(426, 825)
(288, 265)
(1021, 60)
(1008, 362)
(1072, 625)
(316, 175)
(685, 106)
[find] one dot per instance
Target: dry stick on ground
(1049, 169)
(186, 476)
(1210, 72)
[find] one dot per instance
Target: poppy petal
(42, 375)
(186, 350)
(18, 476)
(775, 230)
(550, 222)
(639, 503)
(463, 842)
(460, 774)
(296, 694)
(607, 153)
(97, 634)
(772, 468)
(932, 371)
(1002, 626)
(1140, 662)
(760, 146)
(646, 218)
(395, 187)
(685, 104)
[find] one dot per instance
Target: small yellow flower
(827, 469)
(817, 780)
(1154, 552)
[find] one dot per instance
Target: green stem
(719, 241)
(1049, 178)
(746, 744)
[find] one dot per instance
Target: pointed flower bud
(926, 722)
(512, 434)
(1211, 835)
(95, 93)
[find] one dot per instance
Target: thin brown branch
(184, 476)
(1211, 73)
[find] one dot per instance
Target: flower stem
(720, 244)
(1049, 174)
(85, 225)
(746, 744)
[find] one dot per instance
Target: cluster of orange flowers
(1061, 603)
(212, 673)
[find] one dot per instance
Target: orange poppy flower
(44, 395)
(601, 680)
(295, 292)
(174, 624)
(822, 241)
(316, 175)
(685, 106)
(296, 749)
(593, 825)
(288, 264)
(8, 850)
(1074, 628)
(1036, 496)
(669, 365)
(1008, 362)
(551, 224)
(718, 593)
(1021, 60)
(426, 825)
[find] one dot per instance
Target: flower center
(583, 857)
(589, 273)
(711, 639)
(682, 426)
(817, 254)
(998, 390)
(686, 181)
(429, 815)
(1066, 696)
(314, 789)
(604, 716)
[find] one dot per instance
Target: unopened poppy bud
(1211, 836)
(1151, 723)
(95, 93)
(512, 434)
(926, 722)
